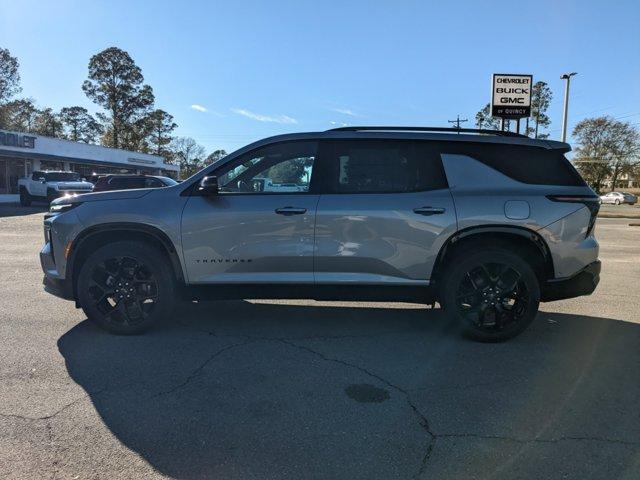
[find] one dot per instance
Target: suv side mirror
(208, 186)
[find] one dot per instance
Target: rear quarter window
(532, 165)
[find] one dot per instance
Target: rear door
(387, 212)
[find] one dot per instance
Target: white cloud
(264, 118)
(345, 111)
(197, 107)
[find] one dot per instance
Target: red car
(128, 182)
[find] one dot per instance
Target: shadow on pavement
(259, 390)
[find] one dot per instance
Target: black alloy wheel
(126, 287)
(493, 295)
(123, 290)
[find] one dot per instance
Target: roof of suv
(420, 133)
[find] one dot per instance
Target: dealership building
(22, 153)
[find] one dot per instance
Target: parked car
(630, 198)
(48, 185)
(127, 182)
(617, 198)
(487, 224)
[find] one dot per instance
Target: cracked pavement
(304, 389)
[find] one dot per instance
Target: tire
(617, 202)
(492, 294)
(126, 287)
(25, 198)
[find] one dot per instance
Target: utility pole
(567, 77)
(458, 121)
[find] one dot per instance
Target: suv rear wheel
(126, 287)
(492, 294)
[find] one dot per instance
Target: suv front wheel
(493, 294)
(126, 287)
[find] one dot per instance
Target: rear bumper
(582, 283)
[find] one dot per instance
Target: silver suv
(486, 223)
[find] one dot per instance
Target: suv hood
(100, 196)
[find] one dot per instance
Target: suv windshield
(62, 177)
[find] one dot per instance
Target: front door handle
(290, 211)
(426, 211)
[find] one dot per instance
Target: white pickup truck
(48, 185)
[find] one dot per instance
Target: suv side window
(279, 168)
(384, 166)
(531, 165)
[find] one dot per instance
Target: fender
(115, 227)
(524, 232)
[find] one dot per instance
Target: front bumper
(582, 283)
(52, 282)
(59, 288)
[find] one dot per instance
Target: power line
(458, 121)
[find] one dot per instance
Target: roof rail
(500, 133)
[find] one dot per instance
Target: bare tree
(188, 154)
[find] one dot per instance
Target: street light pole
(567, 77)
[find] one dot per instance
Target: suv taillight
(592, 202)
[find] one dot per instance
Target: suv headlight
(62, 207)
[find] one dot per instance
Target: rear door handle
(290, 211)
(429, 211)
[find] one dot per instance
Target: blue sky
(269, 67)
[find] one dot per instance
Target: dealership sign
(511, 95)
(16, 140)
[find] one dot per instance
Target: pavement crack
(200, 367)
(422, 419)
(538, 439)
(54, 414)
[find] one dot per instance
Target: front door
(388, 213)
(260, 227)
(38, 188)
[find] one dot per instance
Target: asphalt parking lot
(266, 389)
